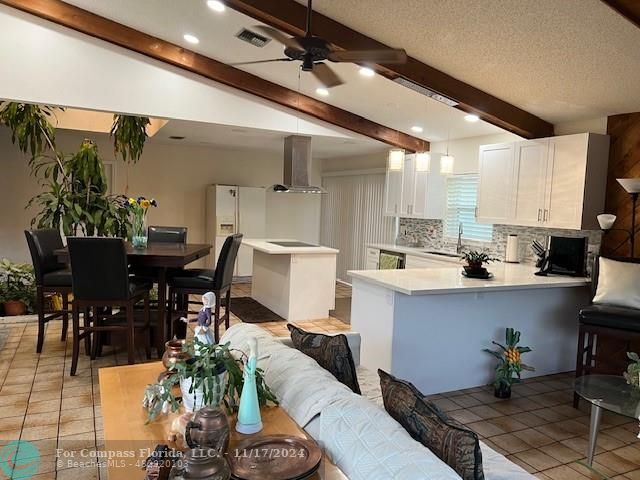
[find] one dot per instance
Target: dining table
(158, 257)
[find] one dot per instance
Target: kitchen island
(294, 279)
(429, 325)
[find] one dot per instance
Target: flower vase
(502, 391)
(139, 231)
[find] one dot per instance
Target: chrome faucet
(460, 232)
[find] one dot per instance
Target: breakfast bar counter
(429, 325)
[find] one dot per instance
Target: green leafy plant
(206, 363)
(632, 375)
(509, 365)
(476, 259)
(129, 134)
(17, 283)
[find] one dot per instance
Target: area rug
(250, 311)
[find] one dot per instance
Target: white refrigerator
(232, 209)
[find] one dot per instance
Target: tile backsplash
(430, 234)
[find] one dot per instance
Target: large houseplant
(17, 287)
(510, 364)
(212, 374)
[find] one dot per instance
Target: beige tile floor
(537, 428)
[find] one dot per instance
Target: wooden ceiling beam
(102, 28)
(289, 16)
(630, 9)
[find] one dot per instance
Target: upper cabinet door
(408, 186)
(393, 193)
(496, 183)
(530, 180)
(566, 174)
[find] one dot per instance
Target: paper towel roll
(512, 249)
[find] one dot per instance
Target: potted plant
(475, 260)
(212, 374)
(632, 375)
(509, 365)
(18, 287)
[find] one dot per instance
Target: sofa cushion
(332, 353)
(611, 317)
(618, 284)
(453, 443)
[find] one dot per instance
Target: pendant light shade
(423, 161)
(446, 164)
(396, 159)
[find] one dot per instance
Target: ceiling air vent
(253, 38)
(425, 91)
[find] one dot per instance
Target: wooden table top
(159, 254)
(126, 430)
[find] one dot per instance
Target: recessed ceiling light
(191, 38)
(216, 5)
(471, 117)
(367, 72)
(323, 92)
(417, 129)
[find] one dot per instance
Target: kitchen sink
(443, 254)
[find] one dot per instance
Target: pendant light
(396, 159)
(423, 161)
(447, 161)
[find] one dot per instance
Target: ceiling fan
(312, 51)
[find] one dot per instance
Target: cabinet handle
(539, 213)
(545, 214)
(396, 208)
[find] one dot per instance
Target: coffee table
(126, 430)
(606, 392)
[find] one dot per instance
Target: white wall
(176, 175)
(592, 125)
(465, 150)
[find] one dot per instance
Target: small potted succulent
(475, 261)
(509, 365)
(632, 375)
(17, 288)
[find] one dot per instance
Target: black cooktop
(293, 244)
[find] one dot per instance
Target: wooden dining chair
(199, 281)
(52, 277)
(101, 282)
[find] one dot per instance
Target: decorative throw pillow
(453, 443)
(332, 353)
(618, 283)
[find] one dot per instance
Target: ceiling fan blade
(326, 75)
(390, 55)
(286, 59)
(278, 36)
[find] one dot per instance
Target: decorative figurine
(249, 420)
(202, 332)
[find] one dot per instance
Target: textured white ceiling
(562, 60)
(376, 99)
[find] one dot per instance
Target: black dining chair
(52, 277)
(101, 282)
(161, 234)
(200, 281)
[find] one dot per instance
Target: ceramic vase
(194, 400)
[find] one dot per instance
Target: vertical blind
(462, 192)
(352, 216)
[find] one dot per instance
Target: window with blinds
(462, 192)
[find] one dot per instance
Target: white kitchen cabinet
(495, 187)
(373, 259)
(557, 182)
(414, 261)
(412, 193)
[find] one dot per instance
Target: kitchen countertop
(437, 281)
(417, 251)
(263, 245)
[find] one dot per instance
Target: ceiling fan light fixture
(367, 72)
(216, 5)
(323, 92)
(191, 38)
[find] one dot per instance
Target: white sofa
(356, 432)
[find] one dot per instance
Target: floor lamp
(606, 220)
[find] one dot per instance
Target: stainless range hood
(297, 163)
